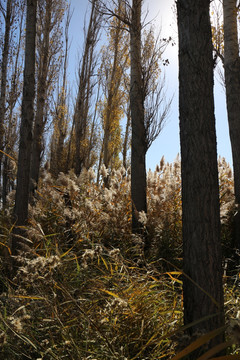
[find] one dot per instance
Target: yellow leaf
(9, 250)
(27, 297)
(10, 157)
(173, 278)
(111, 269)
(111, 293)
(106, 266)
(64, 254)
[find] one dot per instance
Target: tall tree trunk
(41, 96)
(24, 156)
(91, 157)
(126, 136)
(139, 146)
(202, 284)
(62, 124)
(232, 81)
(4, 62)
(83, 97)
(57, 160)
(10, 131)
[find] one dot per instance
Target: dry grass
(86, 290)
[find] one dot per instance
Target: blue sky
(168, 143)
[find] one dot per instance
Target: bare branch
(156, 113)
(124, 15)
(3, 11)
(219, 54)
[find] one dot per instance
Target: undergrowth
(85, 289)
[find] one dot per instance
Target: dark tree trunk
(4, 62)
(203, 294)
(24, 156)
(139, 146)
(10, 131)
(232, 81)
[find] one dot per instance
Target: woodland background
(101, 259)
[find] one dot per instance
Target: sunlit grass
(86, 289)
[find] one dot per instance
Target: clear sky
(167, 144)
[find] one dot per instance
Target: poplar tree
(114, 69)
(145, 121)
(139, 137)
(12, 14)
(9, 13)
(24, 156)
(48, 63)
(85, 89)
(58, 156)
(202, 280)
(232, 83)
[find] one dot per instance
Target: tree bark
(4, 63)
(232, 81)
(24, 156)
(10, 135)
(202, 283)
(139, 148)
(41, 96)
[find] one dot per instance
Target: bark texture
(139, 146)
(10, 132)
(39, 123)
(4, 63)
(232, 81)
(203, 294)
(24, 157)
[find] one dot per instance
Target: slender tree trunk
(24, 156)
(126, 136)
(41, 97)
(232, 81)
(68, 164)
(5, 180)
(82, 105)
(93, 135)
(139, 148)
(62, 126)
(202, 284)
(57, 161)
(4, 62)
(11, 125)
